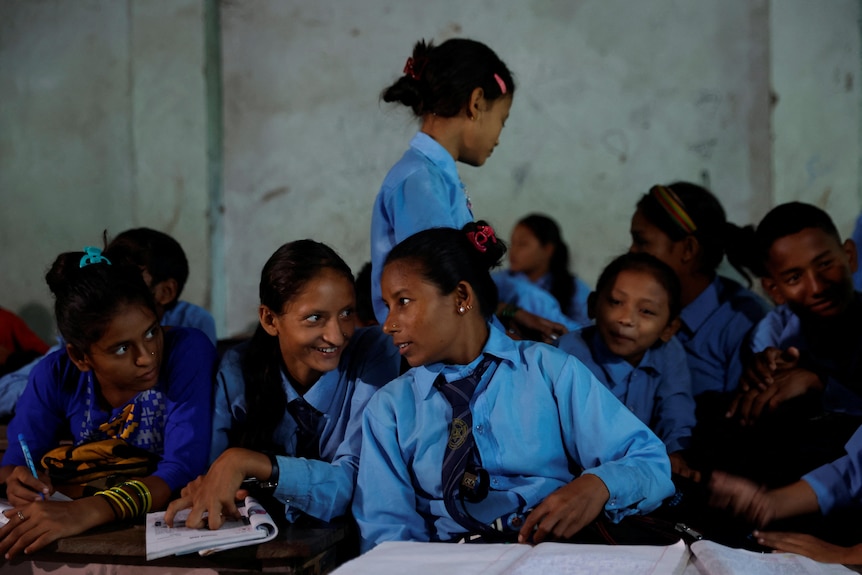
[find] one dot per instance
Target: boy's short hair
(160, 254)
(788, 219)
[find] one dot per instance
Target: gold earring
(469, 307)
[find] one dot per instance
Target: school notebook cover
(254, 526)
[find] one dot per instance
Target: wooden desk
(312, 551)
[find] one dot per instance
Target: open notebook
(254, 526)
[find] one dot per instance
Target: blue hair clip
(93, 256)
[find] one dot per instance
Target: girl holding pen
(122, 377)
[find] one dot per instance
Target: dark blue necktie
(461, 442)
(307, 437)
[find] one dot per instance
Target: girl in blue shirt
(462, 93)
(631, 349)
(539, 254)
(684, 225)
(288, 401)
(120, 376)
(543, 448)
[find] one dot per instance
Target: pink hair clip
(500, 83)
(481, 236)
(411, 69)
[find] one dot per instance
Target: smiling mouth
(328, 350)
(402, 346)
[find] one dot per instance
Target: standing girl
(288, 402)
(485, 430)
(120, 377)
(684, 226)
(539, 254)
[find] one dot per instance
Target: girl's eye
(313, 318)
(403, 301)
(346, 314)
(613, 301)
(121, 350)
(151, 333)
(647, 312)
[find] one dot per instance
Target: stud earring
(462, 310)
(393, 326)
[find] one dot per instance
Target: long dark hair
(547, 232)
(717, 236)
(284, 275)
(447, 256)
(87, 298)
(440, 79)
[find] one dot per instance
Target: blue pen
(29, 459)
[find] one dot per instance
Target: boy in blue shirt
(631, 349)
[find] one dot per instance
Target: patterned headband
(674, 207)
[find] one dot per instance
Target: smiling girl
(288, 401)
(120, 376)
(485, 430)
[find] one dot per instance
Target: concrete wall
(104, 110)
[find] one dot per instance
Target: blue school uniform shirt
(714, 328)
(781, 328)
(857, 239)
(520, 291)
(838, 485)
(657, 391)
(172, 419)
(421, 191)
(538, 416)
(577, 306)
(323, 488)
(185, 314)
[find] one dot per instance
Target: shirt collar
(697, 312)
(498, 345)
(616, 368)
(319, 396)
(437, 154)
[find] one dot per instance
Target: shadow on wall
(41, 320)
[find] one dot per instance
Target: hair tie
(411, 69)
(93, 256)
(481, 236)
(500, 83)
(674, 207)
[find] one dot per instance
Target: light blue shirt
(839, 484)
(781, 328)
(539, 416)
(857, 239)
(657, 391)
(323, 488)
(516, 289)
(714, 327)
(185, 314)
(577, 308)
(422, 191)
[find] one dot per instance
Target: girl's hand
(679, 465)
(810, 546)
(22, 488)
(46, 521)
(549, 331)
(567, 510)
(216, 492)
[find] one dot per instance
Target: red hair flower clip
(481, 236)
(413, 68)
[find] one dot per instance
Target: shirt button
(494, 482)
(480, 428)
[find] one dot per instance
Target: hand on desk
(216, 492)
(567, 510)
(36, 524)
(810, 546)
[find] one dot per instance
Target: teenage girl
(461, 92)
(631, 348)
(120, 375)
(288, 402)
(684, 225)
(538, 448)
(539, 254)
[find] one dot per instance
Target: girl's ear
(591, 305)
(690, 249)
(771, 287)
(670, 330)
(165, 291)
(465, 296)
(267, 320)
(850, 248)
(79, 359)
(476, 103)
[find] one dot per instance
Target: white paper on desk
(255, 526)
(392, 558)
(715, 559)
